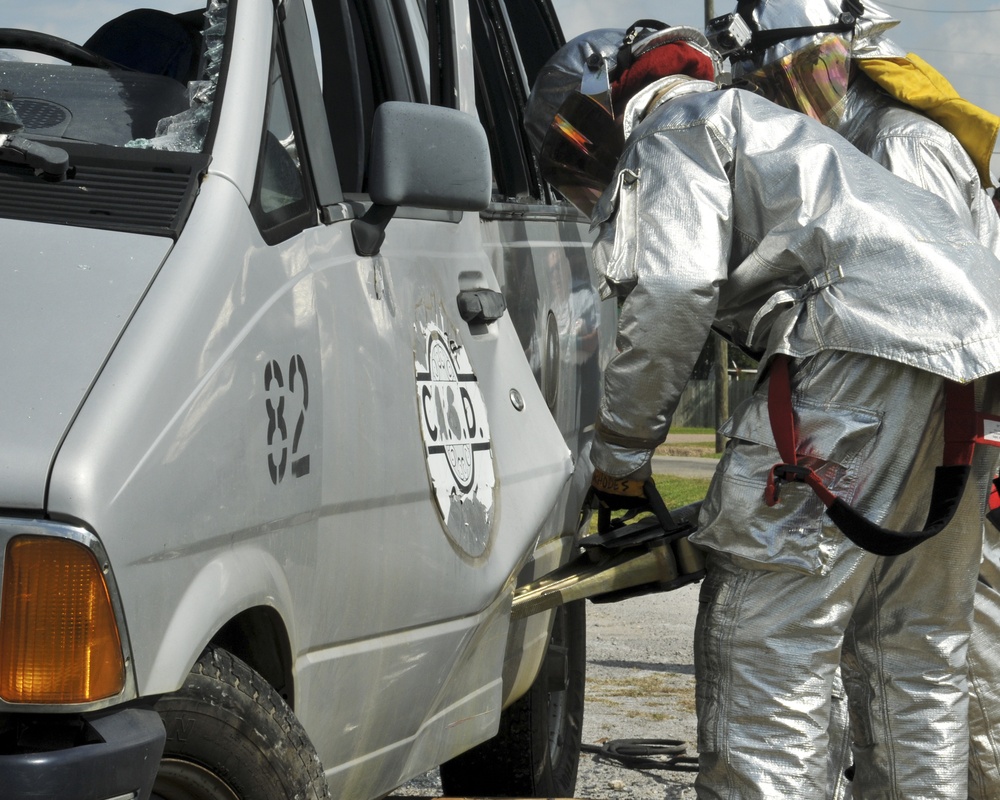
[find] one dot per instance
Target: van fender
(231, 583)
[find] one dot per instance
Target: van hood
(66, 294)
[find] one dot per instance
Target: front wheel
(230, 736)
(537, 749)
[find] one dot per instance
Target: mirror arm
(369, 231)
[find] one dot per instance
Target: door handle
(481, 306)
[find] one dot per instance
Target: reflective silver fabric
(730, 209)
(786, 593)
(868, 32)
(921, 151)
(918, 149)
(984, 680)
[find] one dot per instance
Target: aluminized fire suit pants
(786, 593)
(984, 675)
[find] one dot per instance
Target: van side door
(441, 460)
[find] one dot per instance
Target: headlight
(59, 636)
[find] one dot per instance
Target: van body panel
(275, 431)
(71, 291)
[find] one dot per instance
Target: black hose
(665, 754)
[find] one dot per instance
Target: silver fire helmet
(799, 52)
(570, 118)
(779, 28)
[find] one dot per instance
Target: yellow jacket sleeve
(916, 83)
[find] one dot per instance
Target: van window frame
(502, 89)
(368, 56)
(276, 227)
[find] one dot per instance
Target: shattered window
(113, 73)
(186, 131)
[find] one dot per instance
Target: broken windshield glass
(186, 131)
(145, 77)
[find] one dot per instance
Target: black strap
(624, 58)
(960, 432)
(744, 8)
(949, 485)
(641, 25)
(762, 40)
(850, 12)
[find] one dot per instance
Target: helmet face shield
(580, 150)
(574, 117)
(813, 80)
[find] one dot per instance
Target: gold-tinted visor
(813, 80)
(580, 151)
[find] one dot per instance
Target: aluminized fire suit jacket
(728, 210)
(921, 151)
(788, 240)
(913, 147)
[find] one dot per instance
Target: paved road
(684, 466)
(687, 466)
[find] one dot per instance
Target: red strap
(960, 423)
(961, 432)
(786, 435)
(963, 427)
(779, 410)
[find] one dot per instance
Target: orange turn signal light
(59, 641)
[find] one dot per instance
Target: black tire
(537, 750)
(230, 736)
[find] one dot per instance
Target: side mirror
(423, 156)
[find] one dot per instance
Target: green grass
(702, 449)
(680, 491)
(692, 449)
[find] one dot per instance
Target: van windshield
(112, 72)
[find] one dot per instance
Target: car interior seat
(147, 40)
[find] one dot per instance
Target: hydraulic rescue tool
(643, 552)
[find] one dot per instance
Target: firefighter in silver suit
(719, 209)
(897, 109)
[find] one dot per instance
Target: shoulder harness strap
(963, 428)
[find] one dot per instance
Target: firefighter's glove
(618, 493)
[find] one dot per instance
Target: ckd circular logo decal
(456, 437)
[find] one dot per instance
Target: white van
(300, 360)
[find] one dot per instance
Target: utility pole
(721, 389)
(721, 346)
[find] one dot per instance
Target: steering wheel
(54, 46)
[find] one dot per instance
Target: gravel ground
(640, 685)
